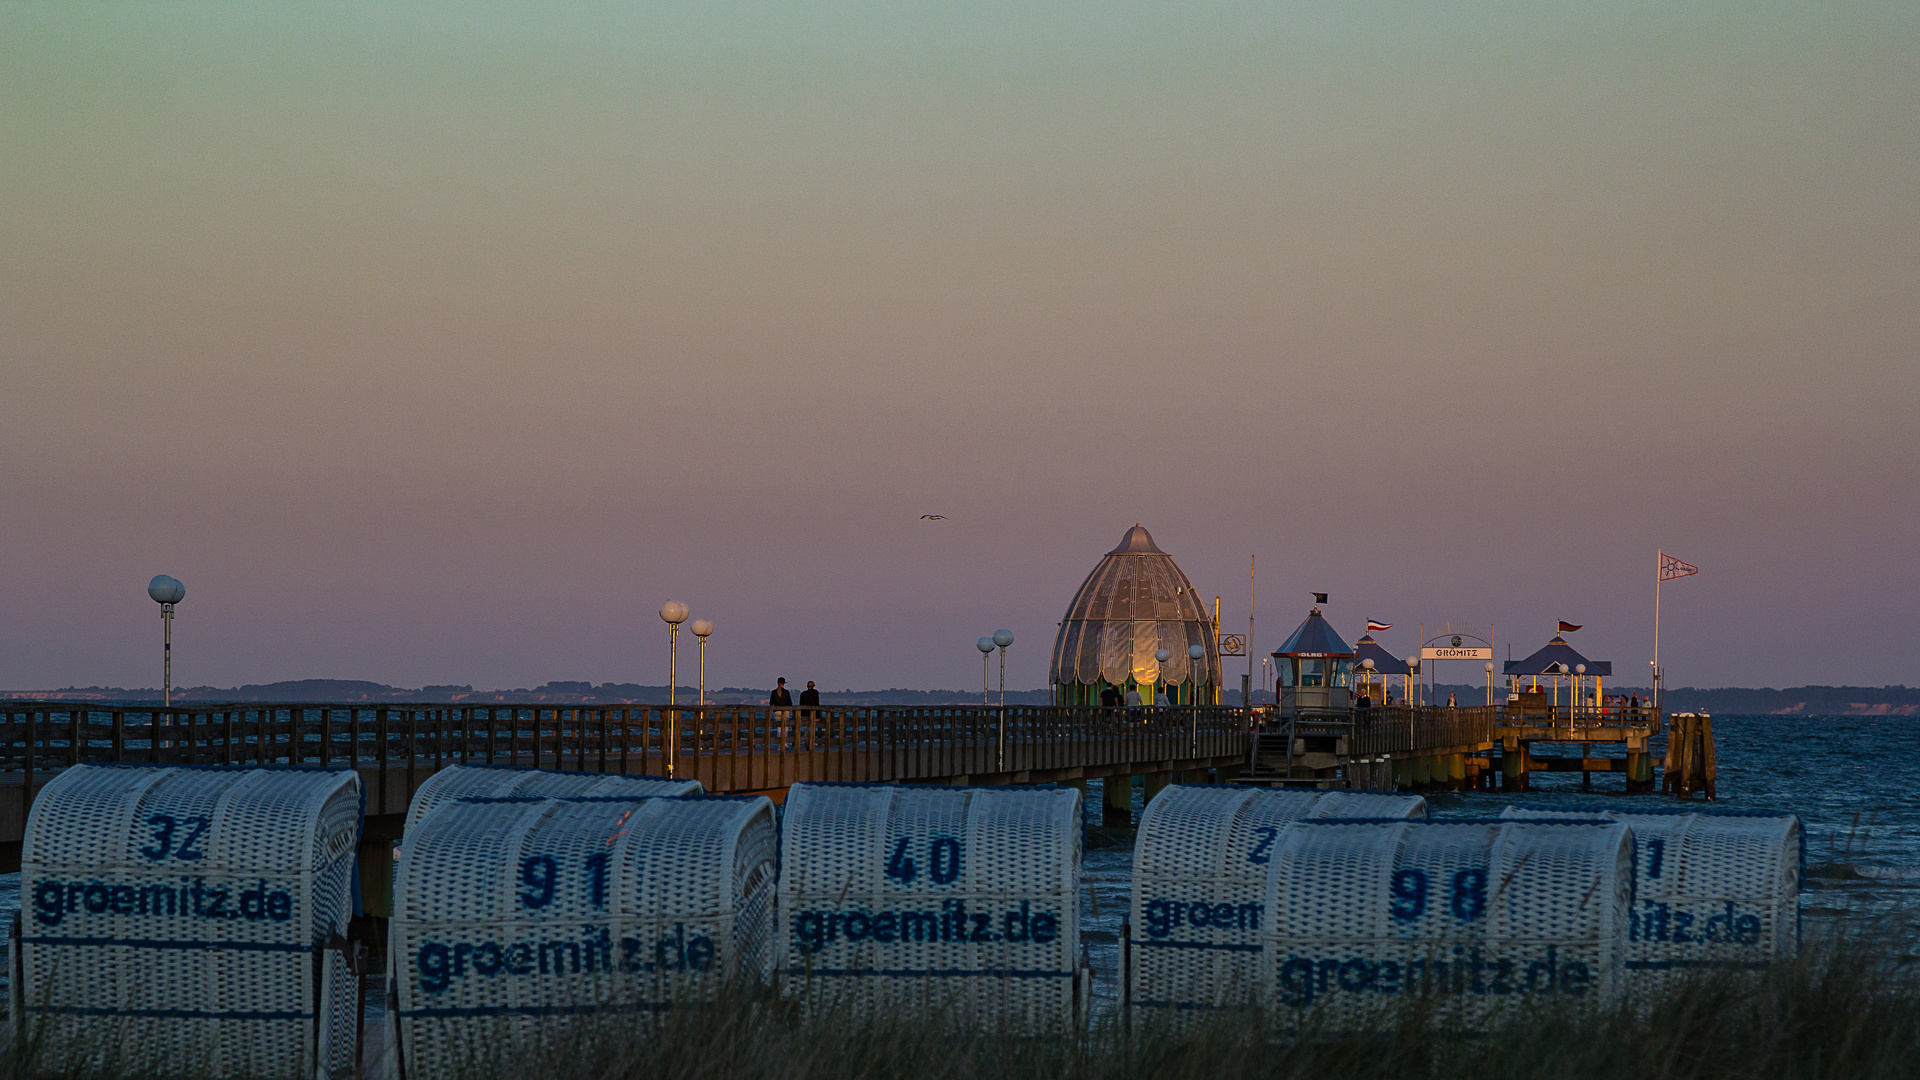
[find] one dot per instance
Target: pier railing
(1407, 729)
(1574, 719)
(1404, 729)
(728, 748)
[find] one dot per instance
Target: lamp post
(1578, 670)
(701, 629)
(1003, 638)
(1160, 672)
(673, 612)
(166, 591)
(986, 647)
(1489, 682)
(1413, 675)
(1195, 654)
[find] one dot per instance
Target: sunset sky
(441, 343)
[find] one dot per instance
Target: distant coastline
(1793, 701)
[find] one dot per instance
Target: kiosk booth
(190, 920)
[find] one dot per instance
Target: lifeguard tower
(1311, 738)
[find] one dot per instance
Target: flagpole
(1657, 553)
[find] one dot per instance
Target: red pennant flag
(1671, 568)
(1567, 627)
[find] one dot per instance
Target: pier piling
(1153, 784)
(1116, 801)
(1513, 764)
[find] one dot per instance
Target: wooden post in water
(1116, 801)
(1154, 783)
(1639, 765)
(1513, 764)
(1690, 758)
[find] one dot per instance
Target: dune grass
(1849, 1006)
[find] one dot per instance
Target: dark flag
(1567, 627)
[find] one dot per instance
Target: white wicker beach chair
(516, 919)
(1716, 888)
(1472, 915)
(503, 781)
(1199, 889)
(961, 901)
(190, 921)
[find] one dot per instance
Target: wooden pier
(760, 750)
(1418, 748)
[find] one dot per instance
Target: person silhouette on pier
(780, 696)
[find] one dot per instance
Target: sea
(1853, 780)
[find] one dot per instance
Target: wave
(1841, 871)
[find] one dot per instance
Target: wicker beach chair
(950, 901)
(1200, 863)
(1716, 889)
(190, 921)
(502, 781)
(1474, 916)
(517, 920)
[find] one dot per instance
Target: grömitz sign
(956, 901)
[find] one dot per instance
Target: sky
(443, 342)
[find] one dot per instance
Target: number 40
(943, 861)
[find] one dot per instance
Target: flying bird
(933, 517)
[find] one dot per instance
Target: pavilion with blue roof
(1383, 664)
(1554, 661)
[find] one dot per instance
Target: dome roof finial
(1138, 541)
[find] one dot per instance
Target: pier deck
(732, 749)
